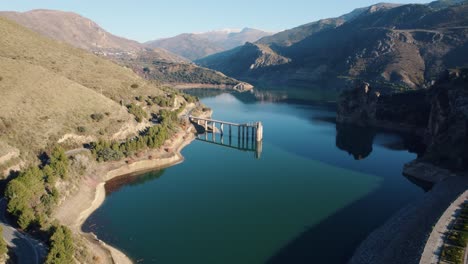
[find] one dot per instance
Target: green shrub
(453, 254)
(59, 162)
(137, 111)
(24, 193)
(458, 238)
(81, 129)
(97, 117)
(61, 247)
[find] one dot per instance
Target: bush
(81, 129)
(59, 162)
(137, 111)
(97, 117)
(190, 98)
(452, 254)
(162, 101)
(134, 86)
(61, 247)
(23, 194)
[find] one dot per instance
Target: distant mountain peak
(198, 45)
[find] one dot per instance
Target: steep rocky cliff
(438, 114)
(401, 47)
(368, 106)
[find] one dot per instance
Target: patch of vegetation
(32, 195)
(81, 129)
(453, 254)
(3, 245)
(162, 101)
(137, 111)
(458, 238)
(190, 98)
(97, 117)
(153, 138)
(134, 86)
(61, 247)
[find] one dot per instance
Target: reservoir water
(316, 192)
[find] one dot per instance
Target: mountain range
(85, 34)
(198, 45)
(398, 46)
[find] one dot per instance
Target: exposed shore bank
(91, 193)
(403, 238)
(240, 87)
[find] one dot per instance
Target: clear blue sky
(144, 20)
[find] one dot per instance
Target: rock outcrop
(366, 106)
(438, 114)
(447, 131)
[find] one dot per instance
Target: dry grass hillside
(73, 29)
(50, 90)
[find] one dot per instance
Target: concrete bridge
(248, 130)
(249, 135)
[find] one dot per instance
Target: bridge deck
(221, 122)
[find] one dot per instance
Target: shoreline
(92, 192)
(431, 253)
(404, 236)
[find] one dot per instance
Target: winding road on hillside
(26, 249)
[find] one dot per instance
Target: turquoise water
(315, 193)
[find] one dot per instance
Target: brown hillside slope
(50, 89)
(81, 32)
(72, 28)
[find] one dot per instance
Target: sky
(145, 20)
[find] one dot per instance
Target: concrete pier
(253, 130)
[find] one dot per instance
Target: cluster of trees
(177, 73)
(61, 246)
(32, 195)
(31, 198)
(162, 101)
(138, 112)
(153, 137)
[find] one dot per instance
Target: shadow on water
(233, 143)
(326, 234)
(357, 141)
(117, 183)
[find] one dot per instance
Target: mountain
(197, 45)
(85, 34)
(190, 46)
(398, 46)
(51, 91)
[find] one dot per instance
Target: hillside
(85, 34)
(51, 90)
(398, 46)
(198, 45)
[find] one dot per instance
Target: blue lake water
(316, 192)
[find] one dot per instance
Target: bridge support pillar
(206, 126)
(259, 131)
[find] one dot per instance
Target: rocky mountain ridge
(397, 46)
(84, 33)
(198, 45)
